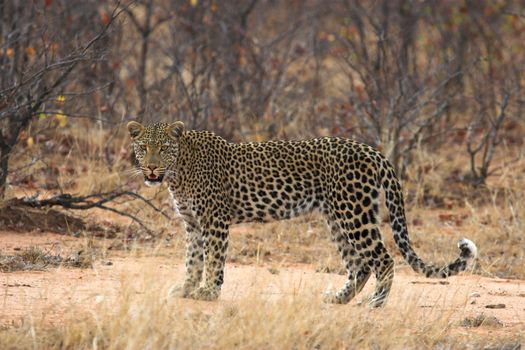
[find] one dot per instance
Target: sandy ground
(50, 293)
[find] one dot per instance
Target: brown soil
(16, 216)
(51, 293)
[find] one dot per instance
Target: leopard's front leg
(215, 237)
(194, 256)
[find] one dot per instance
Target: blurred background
(399, 75)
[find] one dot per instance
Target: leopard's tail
(395, 205)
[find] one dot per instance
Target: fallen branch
(96, 200)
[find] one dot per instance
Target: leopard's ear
(135, 129)
(175, 130)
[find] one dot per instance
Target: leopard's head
(155, 148)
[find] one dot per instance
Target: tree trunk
(15, 124)
(4, 161)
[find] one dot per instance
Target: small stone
(475, 295)
(495, 306)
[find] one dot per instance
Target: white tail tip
(465, 244)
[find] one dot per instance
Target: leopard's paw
(205, 293)
(182, 290)
(332, 297)
(372, 301)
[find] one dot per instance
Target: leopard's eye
(164, 147)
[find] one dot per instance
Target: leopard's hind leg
(358, 274)
(383, 266)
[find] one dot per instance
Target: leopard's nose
(152, 167)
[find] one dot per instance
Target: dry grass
(35, 258)
(145, 316)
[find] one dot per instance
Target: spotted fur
(215, 184)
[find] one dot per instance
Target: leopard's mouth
(153, 180)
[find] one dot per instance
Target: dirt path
(50, 293)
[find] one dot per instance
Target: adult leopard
(215, 183)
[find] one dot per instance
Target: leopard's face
(155, 149)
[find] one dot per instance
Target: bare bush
(398, 92)
(217, 64)
(412, 68)
(42, 45)
(489, 127)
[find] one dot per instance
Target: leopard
(215, 184)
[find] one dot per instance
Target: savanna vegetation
(437, 86)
